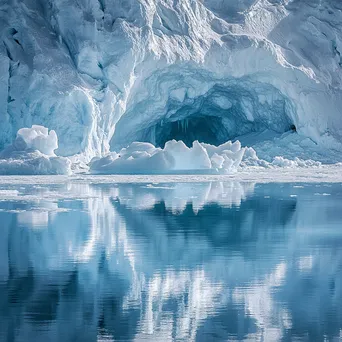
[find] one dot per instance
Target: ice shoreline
(323, 174)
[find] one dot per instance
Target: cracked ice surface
(104, 74)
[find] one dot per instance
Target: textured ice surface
(32, 152)
(269, 145)
(108, 73)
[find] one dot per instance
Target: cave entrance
(204, 128)
(225, 112)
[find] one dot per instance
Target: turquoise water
(161, 262)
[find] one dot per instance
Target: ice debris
(32, 153)
(175, 157)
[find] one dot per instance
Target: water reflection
(193, 262)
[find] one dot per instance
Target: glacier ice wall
(105, 73)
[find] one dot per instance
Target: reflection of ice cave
(223, 112)
(114, 240)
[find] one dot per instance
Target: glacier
(104, 74)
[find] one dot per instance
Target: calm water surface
(171, 262)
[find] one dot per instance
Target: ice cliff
(106, 73)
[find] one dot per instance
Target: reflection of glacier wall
(87, 67)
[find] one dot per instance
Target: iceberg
(175, 157)
(201, 158)
(32, 153)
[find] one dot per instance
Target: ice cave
(106, 74)
(226, 111)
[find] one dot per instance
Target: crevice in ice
(230, 11)
(337, 52)
(17, 41)
(68, 49)
(9, 98)
(8, 52)
(102, 5)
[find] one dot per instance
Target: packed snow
(32, 152)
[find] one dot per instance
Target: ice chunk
(217, 161)
(37, 138)
(185, 158)
(283, 162)
(176, 157)
(138, 147)
(136, 162)
(34, 163)
(32, 153)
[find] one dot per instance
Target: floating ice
(201, 158)
(32, 152)
(176, 157)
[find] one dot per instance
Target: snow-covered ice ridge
(103, 74)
